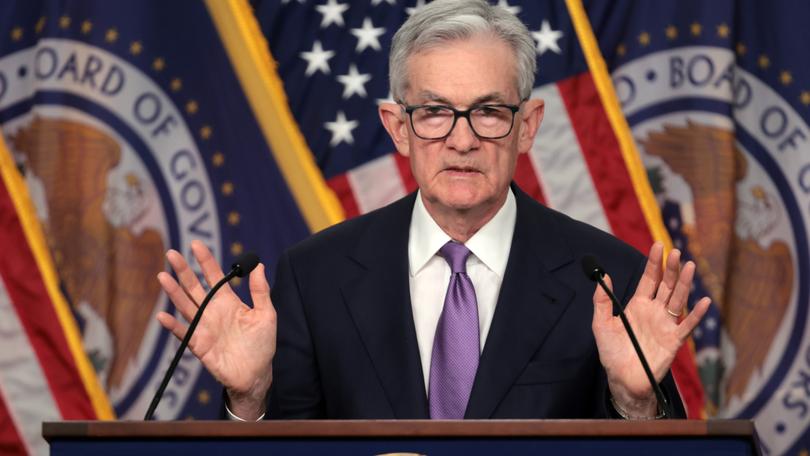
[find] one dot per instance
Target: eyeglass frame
(409, 109)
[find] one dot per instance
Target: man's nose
(462, 138)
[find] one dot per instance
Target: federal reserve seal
(117, 178)
(727, 159)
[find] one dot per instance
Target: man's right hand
(234, 342)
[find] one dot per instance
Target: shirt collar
(491, 244)
(426, 238)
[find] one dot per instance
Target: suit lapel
(378, 298)
(530, 303)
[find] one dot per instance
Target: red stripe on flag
(343, 190)
(527, 179)
(404, 166)
(10, 441)
(36, 312)
(684, 370)
(605, 162)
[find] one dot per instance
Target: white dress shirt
(429, 273)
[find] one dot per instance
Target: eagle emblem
(106, 268)
(749, 275)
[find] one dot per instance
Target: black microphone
(244, 264)
(595, 272)
(240, 268)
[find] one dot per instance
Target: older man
(463, 300)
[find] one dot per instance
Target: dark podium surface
(570, 437)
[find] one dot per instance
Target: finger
(259, 289)
(208, 264)
(172, 324)
(177, 295)
(186, 276)
(178, 329)
(652, 272)
(680, 295)
(671, 273)
(691, 321)
(603, 306)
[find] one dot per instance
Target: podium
(520, 437)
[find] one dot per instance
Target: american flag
(333, 57)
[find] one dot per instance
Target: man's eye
(488, 110)
(435, 110)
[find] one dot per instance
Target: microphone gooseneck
(240, 268)
(594, 272)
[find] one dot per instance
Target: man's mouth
(461, 169)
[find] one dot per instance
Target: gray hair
(447, 20)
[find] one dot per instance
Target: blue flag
(132, 125)
(718, 98)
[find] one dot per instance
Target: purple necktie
(455, 348)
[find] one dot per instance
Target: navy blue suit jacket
(347, 345)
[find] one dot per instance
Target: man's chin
(462, 201)
(460, 194)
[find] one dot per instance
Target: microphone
(244, 263)
(595, 273)
(240, 268)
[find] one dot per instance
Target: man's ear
(530, 119)
(396, 124)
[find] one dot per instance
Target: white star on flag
(377, 2)
(317, 59)
(547, 38)
(354, 82)
(412, 9)
(332, 13)
(512, 9)
(341, 129)
(368, 36)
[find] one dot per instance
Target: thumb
(259, 288)
(602, 306)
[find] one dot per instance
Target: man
(464, 300)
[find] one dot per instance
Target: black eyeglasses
(487, 121)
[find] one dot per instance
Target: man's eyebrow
(490, 97)
(496, 97)
(430, 96)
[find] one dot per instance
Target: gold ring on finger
(669, 311)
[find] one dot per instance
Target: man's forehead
(478, 69)
(427, 95)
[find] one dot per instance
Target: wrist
(233, 417)
(245, 408)
(628, 408)
(637, 401)
(250, 404)
(659, 414)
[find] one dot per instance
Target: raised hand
(654, 313)
(234, 342)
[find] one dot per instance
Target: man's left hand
(659, 296)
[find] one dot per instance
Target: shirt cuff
(626, 416)
(233, 417)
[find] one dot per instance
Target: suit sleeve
(296, 390)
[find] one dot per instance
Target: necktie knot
(456, 256)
